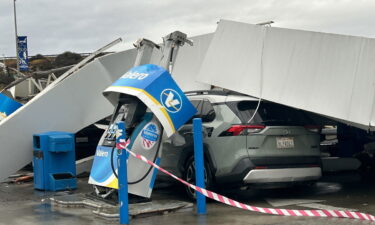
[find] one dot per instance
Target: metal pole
(122, 174)
(172, 42)
(82, 63)
(145, 48)
(16, 33)
(5, 66)
(199, 164)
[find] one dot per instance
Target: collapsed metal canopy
(332, 75)
(329, 74)
(75, 101)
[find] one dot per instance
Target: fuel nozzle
(120, 136)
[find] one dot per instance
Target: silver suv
(277, 147)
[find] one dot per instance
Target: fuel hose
(149, 169)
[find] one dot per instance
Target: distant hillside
(41, 63)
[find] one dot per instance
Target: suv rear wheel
(189, 176)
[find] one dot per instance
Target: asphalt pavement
(21, 204)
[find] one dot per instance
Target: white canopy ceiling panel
(69, 105)
(188, 62)
(77, 101)
(230, 46)
(329, 74)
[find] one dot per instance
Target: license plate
(284, 142)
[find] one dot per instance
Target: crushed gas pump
(150, 102)
(153, 107)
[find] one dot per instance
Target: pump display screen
(120, 114)
(131, 112)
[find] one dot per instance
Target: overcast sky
(55, 26)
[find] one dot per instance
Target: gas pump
(150, 103)
(144, 132)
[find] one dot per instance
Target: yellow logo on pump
(2, 115)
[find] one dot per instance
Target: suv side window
(198, 105)
(204, 111)
(207, 113)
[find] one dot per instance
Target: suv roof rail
(213, 92)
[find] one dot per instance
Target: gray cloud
(85, 25)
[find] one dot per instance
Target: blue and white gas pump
(150, 102)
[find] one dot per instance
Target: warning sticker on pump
(150, 135)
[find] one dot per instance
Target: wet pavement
(21, 204)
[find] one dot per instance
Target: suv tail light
(313, 128)
(237, 130)
(313, 165)
(261, 167)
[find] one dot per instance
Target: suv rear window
(268, 114)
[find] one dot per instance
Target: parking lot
(21, 204)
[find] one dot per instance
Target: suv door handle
(192, 133)
(209, 131)
(206, 130)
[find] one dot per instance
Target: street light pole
(16, 34)
(5, 65)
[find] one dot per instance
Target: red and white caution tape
(273, 211)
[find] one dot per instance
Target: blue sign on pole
(23, 61)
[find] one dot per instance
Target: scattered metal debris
(111, 211)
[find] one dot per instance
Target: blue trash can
(54, 161)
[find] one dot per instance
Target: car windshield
(268, 114)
